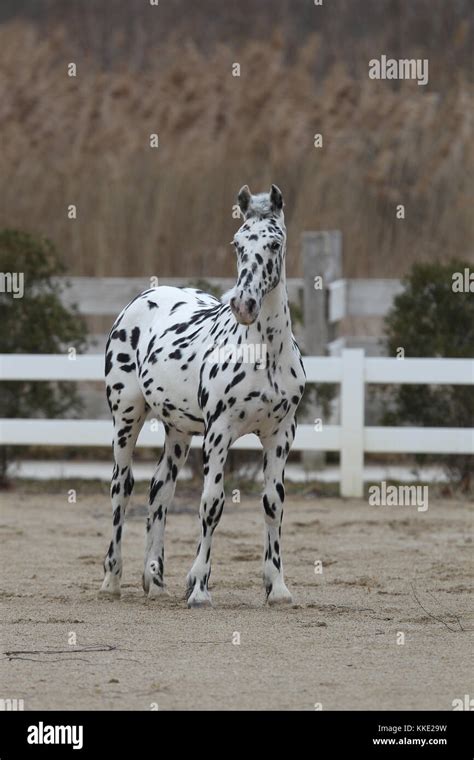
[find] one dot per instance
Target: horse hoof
(279, 597)
(158, 592)
(199, 599)
(110, 587)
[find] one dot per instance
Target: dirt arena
(386, 570)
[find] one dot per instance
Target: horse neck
(274, 314)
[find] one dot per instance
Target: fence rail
(108, 295)
(95, 296)
(352, 370)
(323, 308)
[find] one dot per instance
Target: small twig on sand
(448, 612)
(435, 617)
(49, 660)
(15, 654)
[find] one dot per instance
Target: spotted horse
(217, 368)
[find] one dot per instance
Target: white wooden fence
(323, 309)
(352, 370)
(108, 295)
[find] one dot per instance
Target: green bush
(36, 323)
(430, 319)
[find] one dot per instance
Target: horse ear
(244, 198)
(276, 198)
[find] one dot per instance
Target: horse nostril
(251, 304)
(232, 303)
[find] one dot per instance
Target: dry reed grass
(141, 211)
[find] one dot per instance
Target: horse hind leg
(129, 415)
(162, 490)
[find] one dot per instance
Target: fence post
(322, 257)
(352, 422)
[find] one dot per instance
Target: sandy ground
(337, 645)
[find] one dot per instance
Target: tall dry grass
(141, 211)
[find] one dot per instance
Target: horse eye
(275, 246)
